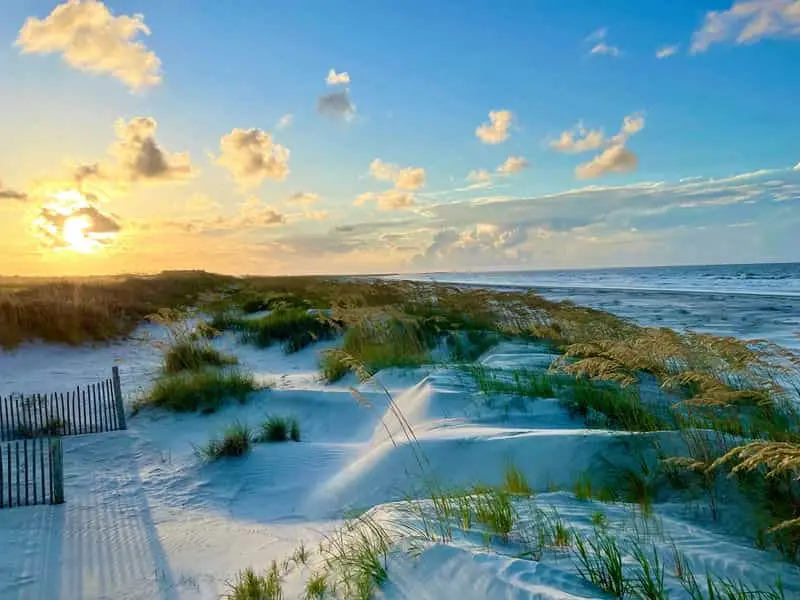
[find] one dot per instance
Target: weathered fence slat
(31, 472)
(93, 408)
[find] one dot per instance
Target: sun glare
(70, 221)
(74, 233)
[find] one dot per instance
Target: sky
(357, 136)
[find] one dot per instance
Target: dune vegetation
(726, 407)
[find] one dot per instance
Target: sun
(73, 232)
(71, 221)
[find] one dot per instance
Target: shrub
(206, 390)
(235, 441)
(279, 429)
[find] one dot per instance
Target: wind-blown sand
(145, 518)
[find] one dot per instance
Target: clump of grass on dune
(251, 586)
(355, 560)
(333, 365)
(612, 406)
(517, 382)
(205, 390)
(235, 441)
(279, 429)
(293, 327)
(191, 355)
(383, 341)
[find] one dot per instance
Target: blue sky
(423, 76)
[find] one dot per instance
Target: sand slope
(144, 518)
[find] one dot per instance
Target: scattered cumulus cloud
(408, 178)
(285, 121)
(614, 159)
(513, 165)
(336, 105)
(335, 78)
(90, 38)
(479, 176)
(9, 194)
(139, 157)
(251, 156)
(747, 22)
(74, 221)
(603, 48)
(496, 130)
(578, 140)
(597, 35)
(303, 198)
(667, 51)
(387, 200)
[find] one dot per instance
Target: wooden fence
(31, 472)
(93, 408)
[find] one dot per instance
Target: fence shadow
(102, 543)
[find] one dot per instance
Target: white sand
(144, 518)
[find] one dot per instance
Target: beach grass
(203, 390)
(278, 429)
(251, 586)
(236, 440)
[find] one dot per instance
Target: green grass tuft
(295, 328)
(515, 482)
(204, 391)
(333, 366)
(606, 405)
(235, 441)
(279, 429)
(600, 562)
(193, 355)
(250, 586)
(316, 587)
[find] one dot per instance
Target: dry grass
(94, 309)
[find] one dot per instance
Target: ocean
(752, 301)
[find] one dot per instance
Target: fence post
(118, 397)
(57, 470)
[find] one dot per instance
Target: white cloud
(513, 164)
(408, 178)
(579, 140)
(139, 157)
(387, 200)
(303, 198)
(335, 78)
(603, 48)
(667, 51)
(251, 156)
(336, 105)
(482, 244)
(747, 22)
(597, 35)
(90, 38)
(797, 167)
(479, 176)
(614, 159)
(285, 121)
(496, 130)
